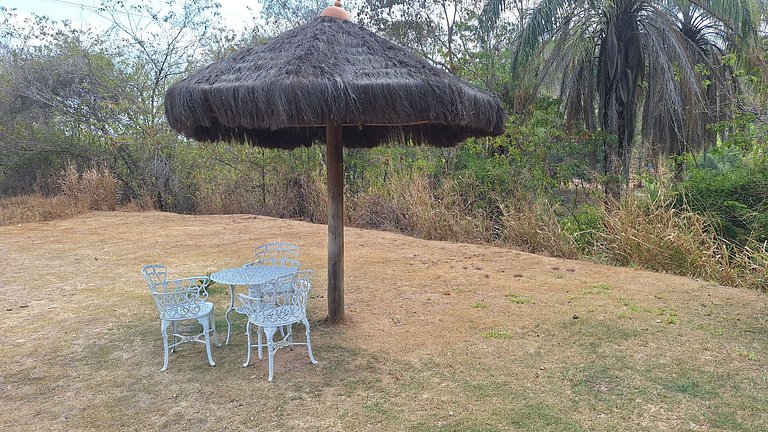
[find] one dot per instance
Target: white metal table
(247, 275)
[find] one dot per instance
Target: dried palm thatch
(282, 94)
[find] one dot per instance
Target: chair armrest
(248, 305)
(199, 280)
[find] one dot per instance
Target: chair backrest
(154, 274)
(175, 298)
(279, 302)
(278, 254)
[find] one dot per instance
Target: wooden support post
(335, 153)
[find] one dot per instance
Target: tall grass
(287, 195)
(34, 208)
(96, 188)
(415, 205)
(655, 235)
(534, 227)
(751, 263)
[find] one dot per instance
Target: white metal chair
(275, 254)
(279, 304)
(178, 300)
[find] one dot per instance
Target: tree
(68, 94)
(448, 34)
(156, 45)
(59, 99)
(617, 61)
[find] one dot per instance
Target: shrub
(736, 199)
(583, 225)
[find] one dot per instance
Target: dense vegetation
(637, 130)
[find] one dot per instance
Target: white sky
(80, 12)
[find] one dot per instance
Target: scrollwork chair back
(278, 254)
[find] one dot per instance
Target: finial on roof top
(336, 11)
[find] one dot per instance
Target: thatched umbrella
(328, 78)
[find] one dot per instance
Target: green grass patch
(747, 355)
(728, 421)
(497, 334)
(668, 315)
(462, 290)
(520, 299)
(597, 289)
(631, 307)
(479, 305)
(541, 417)
(690, 386)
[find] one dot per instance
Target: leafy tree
(156, 46)
(60, 102)
(85, 95)
(619, 61)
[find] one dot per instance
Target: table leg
(231, 307)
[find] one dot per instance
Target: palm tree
(620, 60)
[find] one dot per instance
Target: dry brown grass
(314, 197)
(440, 336)
(236, 197)
(34, 208)
(96, 188)
(752, 265)
(288, 196)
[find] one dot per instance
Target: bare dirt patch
(440, 336)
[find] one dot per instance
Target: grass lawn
(440, 336)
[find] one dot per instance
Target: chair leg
(164, 331)
(289, 332)
(248, 353)
(206, 329)
(258, 331)
(309, 344)
(174, 332)
(270, 333)
(212, 318)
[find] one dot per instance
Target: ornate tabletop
(250, 275)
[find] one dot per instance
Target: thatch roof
(281, 94)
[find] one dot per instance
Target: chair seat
(280, 316)
(185, 312)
